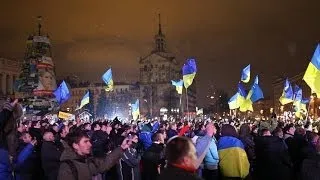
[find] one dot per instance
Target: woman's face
(46, 80)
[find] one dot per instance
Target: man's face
(292, 130)
(83, 148)
(27, 138)
(48, 137)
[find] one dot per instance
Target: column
(10, 84)
(4, 84)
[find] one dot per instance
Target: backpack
(73, 168)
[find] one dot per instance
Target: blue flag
(62, 93)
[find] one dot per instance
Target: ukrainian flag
(287, 94)
(300, 104)
(233, 158)
(189, 71)
(243, 101)
(245, 75)
(135, 110)
(85, 100)
(233, 102)
(62, 93)
(178, 85)
(238, 99)
(312, 74)
(255, 91)
(107, 78)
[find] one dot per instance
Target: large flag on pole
(189, 71)
(107, 78)
(178, 85)
(255, 91)
(287, 93)
(312, 74)
(62, 93)
(85, 100)
(245, 75)
(135, 110)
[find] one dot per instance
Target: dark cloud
(276, 37)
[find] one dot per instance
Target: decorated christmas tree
(37, 81)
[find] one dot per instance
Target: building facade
(118, 100)
(157, 96)
(9, 71)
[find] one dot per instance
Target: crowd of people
(210, 149)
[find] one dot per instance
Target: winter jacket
(30, 168)
(152, 159)
(99, 143)
(145, 137)
(128, 167)
(311, 168)
(211, 159)
(173, 172)
(172, 133)
(50, 157)
(272, 156)
(6, 167)
(85, 167)
(184, 130)
(233, 158)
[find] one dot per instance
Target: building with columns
(9, 71)
(157, 69)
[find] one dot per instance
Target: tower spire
(39, 25)
(160, 30)
(159, 39)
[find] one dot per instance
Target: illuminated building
(9, 71)
(157, 69)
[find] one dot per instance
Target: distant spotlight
(211, 97)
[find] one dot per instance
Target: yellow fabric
(188, 79)
(234, 162)
(312, 78)
(246, 106)
(283, 100)
(109, 86)
(179, 89)
(135, 115)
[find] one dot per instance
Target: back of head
(178, 148)
(228, 130)
(244, 130)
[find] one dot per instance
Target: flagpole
(187, 104)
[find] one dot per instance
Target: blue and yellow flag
(255, 91)
(135, 110)
(85, 100)
(233, 158)
(287, 93)
(178, 85)
(312, 74)
(245, 75)
(234, 102)
(244, 99)
(189, 71)
(107, 78)
(62, 93)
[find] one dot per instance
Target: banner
(41, 39)
(66, 116)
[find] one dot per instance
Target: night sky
(277, 38)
